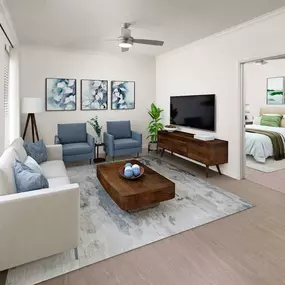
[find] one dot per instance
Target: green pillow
(271, 121)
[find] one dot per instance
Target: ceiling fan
(126, 41)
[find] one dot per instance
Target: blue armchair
(76, 143)
(121, 140)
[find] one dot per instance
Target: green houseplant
(154, 125)
(97, 128)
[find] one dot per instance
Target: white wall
(255, 83)
(212, 66)
(38, 63)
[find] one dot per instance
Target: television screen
(196, 111)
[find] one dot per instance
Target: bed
(258, 145)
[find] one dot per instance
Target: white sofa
(39, 223)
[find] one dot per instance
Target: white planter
(98, 139)
(152, 146)
(170, 129)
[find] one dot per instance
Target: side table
(98, 159)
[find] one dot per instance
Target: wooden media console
(210, 153)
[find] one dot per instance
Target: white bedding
(260, 146)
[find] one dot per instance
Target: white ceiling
(88, 24)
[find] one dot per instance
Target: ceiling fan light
(125, 45)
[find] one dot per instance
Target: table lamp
(32, 106)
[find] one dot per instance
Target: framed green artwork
(275, 91)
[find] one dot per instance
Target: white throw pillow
(6, 165)
(18, 146)
(4, 183)
(31, 163)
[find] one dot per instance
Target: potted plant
(154, 125)
(97, 128)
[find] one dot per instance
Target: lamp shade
(32, 105)
(247, 109)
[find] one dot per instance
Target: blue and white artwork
(60, 94)
(94, 94)
(123, 95)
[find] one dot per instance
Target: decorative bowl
(121, 171)
(170, 129)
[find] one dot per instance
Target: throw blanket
(276, 139)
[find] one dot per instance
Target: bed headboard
(272, 110)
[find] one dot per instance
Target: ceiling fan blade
(124, 49)
(148, 42)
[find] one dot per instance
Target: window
(6, 94)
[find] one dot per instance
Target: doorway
(263, 113)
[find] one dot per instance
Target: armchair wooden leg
(113, 158)
(138, 155)
(90, 161)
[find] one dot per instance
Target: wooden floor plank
(247, 248)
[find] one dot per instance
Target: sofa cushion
(37, 151)
(126, 144)
(58, 181)
(76, 148)
(72, 133)
(53, 168)
(120, 129)
(4, 183)
(18, 145)
(27, 179)
(6, 165)
(30, 162)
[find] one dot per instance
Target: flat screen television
(195, 111)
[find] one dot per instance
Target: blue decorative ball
(128, 172)
(128, 164)
(136, 170)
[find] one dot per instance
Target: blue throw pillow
(37, 151)
(27, 179)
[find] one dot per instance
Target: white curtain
(14, 100)
(6, 96)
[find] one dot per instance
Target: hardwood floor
(247, 248)
(274, 180)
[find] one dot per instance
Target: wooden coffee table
(134, 195)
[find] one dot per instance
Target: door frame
(242, 104)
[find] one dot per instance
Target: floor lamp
(32, 106)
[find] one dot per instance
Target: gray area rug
(107, 231)
(269, 166)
